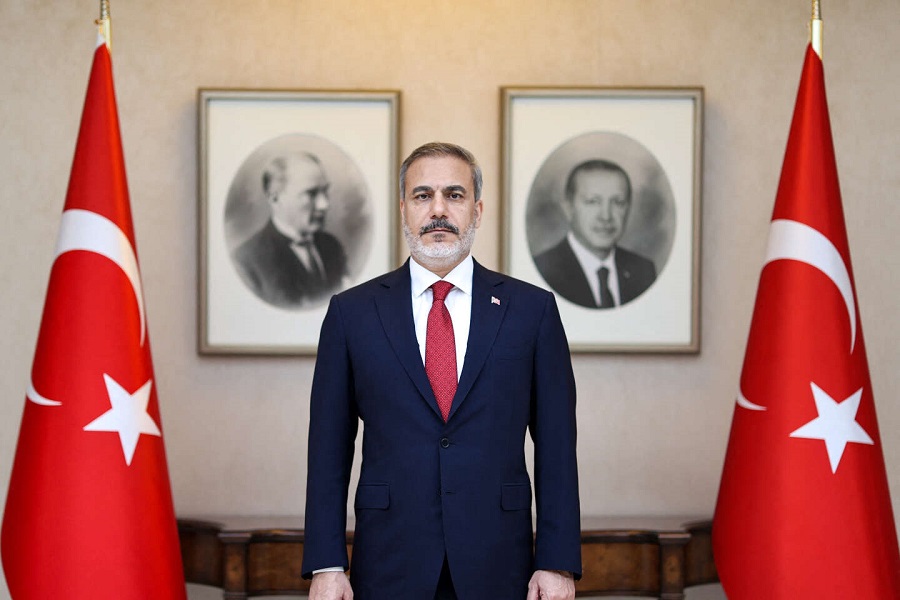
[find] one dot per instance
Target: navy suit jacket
(271, 269)
(430, 489)
(563, 273)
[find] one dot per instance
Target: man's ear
(566, 207)
(479, 209)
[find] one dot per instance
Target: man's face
(440, 214)
(302, 201)
(598, 209)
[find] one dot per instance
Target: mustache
(439, 224)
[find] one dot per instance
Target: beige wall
(653, 428)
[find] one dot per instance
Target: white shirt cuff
(329, 570)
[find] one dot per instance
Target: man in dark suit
(449, 366)
(588, 267)
(290, 262)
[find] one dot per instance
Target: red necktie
(440, 349)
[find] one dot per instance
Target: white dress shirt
(458, 303)
(590, 264)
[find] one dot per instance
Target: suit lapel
(578, 285)
(626, 289)
(487, 315)
(394, 306)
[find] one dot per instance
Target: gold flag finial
(815, 28)
(103, 23)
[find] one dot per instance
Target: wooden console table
(649, 557)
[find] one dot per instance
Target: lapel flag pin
(495, 300)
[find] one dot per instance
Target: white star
(128, 416)
(836, 424)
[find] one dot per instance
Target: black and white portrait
(600, 220)
(298, 221)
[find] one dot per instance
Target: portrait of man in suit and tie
(588, 266)
(291, 262)
(448, 366)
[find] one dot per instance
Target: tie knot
(440, 289)
(603, 272)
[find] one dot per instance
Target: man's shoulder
(634, 260)
(509, 283)
(552, 258)
(261, 241)
(376, 284)
(560, 247)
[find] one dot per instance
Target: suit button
(445, 443)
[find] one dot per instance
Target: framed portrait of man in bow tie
(286, 222)
(295, 203)
(602, 206)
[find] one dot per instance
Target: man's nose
(605, 211)
(439, 206)
(321, 202)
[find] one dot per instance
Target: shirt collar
(461, 276)
(286, 231)
(589, 261)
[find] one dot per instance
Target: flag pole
(815, 28)
(103, 23)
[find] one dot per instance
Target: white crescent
(90, 232)
(792, 240)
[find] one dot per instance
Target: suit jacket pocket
(515, 496)
(372, 495)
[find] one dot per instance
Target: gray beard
(437, 257)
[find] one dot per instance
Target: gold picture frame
(654, 136)
(253, 299)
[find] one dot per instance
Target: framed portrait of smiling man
(297, 202)
(601, 193)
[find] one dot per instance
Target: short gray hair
(274, 175)
(442, 149)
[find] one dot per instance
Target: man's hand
(551, 585)
(330, 585)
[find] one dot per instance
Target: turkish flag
(804, 509)
(89, 512)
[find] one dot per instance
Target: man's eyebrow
(446, 189)
(421, 188)
(317, 188)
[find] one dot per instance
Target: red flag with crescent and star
(89, 511)
(804, 510)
